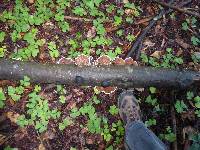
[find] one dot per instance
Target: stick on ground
(121, 76)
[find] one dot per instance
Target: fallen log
(122, 76)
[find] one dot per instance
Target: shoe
(129, 109)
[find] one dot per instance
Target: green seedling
(2, 98)
(66, 122)
(113, 110)
(2, 36)
(169, 135)
(150, 122)
(54, 53)
(180, 106)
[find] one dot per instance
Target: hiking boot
(129, 109)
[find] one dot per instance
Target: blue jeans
(138, 137)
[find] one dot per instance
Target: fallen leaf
(12, 116)
(91, 32)
(41, 147)
(148, 43)
(31, 1)
(48, 135)
(156, 54)
(2, 139)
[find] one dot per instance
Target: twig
(78, 18)
(136, 47)
(174, 126)
(177, 8)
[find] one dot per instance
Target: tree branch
(121, 76)
(177, 8)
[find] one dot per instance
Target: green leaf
(180, 106)
(62, 99)
(190, 95)
(185, 26)
(152, 90)
(195, 41)
(113, 110)
(2, 36)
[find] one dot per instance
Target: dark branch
(121, 76)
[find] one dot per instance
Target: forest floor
(49, 116)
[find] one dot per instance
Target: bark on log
(121, 76)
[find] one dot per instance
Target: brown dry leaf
(143, 21)
(188, 115)
(48, 135)
(125, 1)
(12, 116)
(2, 139)
(181, 43)
(103, 60)
(180, 52)
(156, 54)
(91, 32)
(188, 130)
(119, 61)
(89, 141)
(31, 1)
(71, 105)
(82, 60)
(148, 43)
(41, 147)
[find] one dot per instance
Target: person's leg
(137, 136)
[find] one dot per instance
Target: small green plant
(98, 23)
(168, 60)
(39, 112)
(75, 112)
(2, 36)
(136, 9)
(113, 110)
(110, 8)
(66, 122)
(195, 138)
(152, 90)
(2, 98)
(196, 57)
(119, 33)
(62, 99)
(114, 54)
(197, 105)
(180, 106)
(10, 148)
(169, 135)
(78, 10)
(96, 100)
(2, 51)
(152, 101)
(150, 122)
(54, 53)
(190, 95)
(117, 20)
(33, 48)
(15, 92)
(130, 38)
(191, 23)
